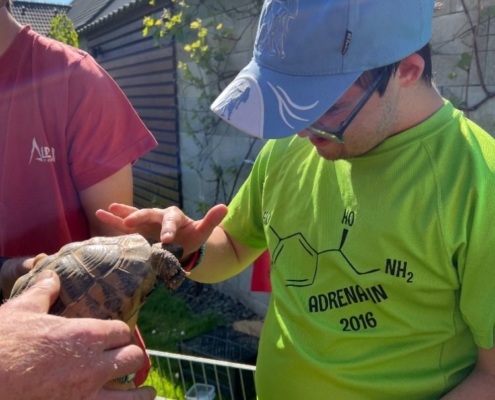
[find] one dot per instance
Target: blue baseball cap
(307, 53)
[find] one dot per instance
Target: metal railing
(185, 377)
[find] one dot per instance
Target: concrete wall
(449, 41)
(451, 38)
(227, 144)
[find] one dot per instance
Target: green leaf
(62, 29)
(465, 62)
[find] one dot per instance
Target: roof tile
(85, 11)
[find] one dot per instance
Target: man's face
(372, 125)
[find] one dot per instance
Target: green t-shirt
(382, 265)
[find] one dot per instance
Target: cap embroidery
(347, 42)
(274, 25)
(238, 93)
(284, 104)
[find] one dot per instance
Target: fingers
(112, 340)
(190, 234)
(104, 347)
(128, 219)
(122, 361)
(41, 295)
(113, 221)
(131, 216)
(142, 393)
(31, 263)
(170, 224)
(116, 333)
(121, 210)
(146, 216)
(172, 220)
(212, 219)
(116, 215)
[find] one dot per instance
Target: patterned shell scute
(106, 277)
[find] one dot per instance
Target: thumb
(41, 295)
(38, 258)
(212, 219)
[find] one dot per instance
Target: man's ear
(410, 70)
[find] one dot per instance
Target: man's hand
(48, 357)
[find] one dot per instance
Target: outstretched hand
(49, 357)
(121, 217)
(169, 225)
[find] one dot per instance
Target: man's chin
(331, 152)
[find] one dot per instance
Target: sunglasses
(337, 132)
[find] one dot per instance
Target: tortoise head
(164, 260)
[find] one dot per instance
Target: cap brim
(270, 105)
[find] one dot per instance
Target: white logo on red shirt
(45, 154)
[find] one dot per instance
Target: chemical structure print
(298, 243)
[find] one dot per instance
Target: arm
(102, 148)
(115, 188)
(48, 357)
(480, 384)
(223, 258)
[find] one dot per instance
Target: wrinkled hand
(169, 225)
(49, 357)
(13, 269)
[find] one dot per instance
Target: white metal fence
(184, 377)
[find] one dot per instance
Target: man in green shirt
(374, 202)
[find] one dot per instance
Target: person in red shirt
(68, 138)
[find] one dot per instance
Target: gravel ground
(203, 298)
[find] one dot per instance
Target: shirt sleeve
(475, 255)
(244, 221)
(104, 132)
(476, 268)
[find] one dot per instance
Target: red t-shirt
(65, 125)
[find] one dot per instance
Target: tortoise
(108, 278)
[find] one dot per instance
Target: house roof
(38, 15)
(85, 13)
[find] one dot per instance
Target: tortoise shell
(107, 277)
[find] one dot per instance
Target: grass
(163, 387)
(165, 320)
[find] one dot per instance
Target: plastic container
(200, 391)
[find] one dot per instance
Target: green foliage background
(62, 29)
